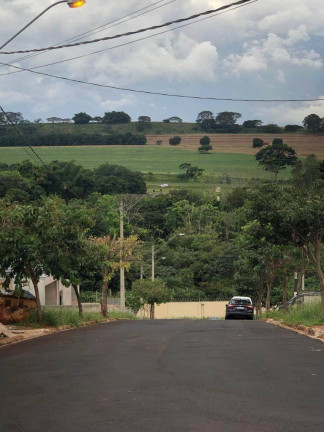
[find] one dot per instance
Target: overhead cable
(167, 24)
(123, 44)
(103, 27)
(174, 95)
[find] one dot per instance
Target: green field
(157, 160)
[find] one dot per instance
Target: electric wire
(37, 155)
(102, 27)
(174, 95)
(167, 24)
(125, 43)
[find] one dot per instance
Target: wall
(173, 310)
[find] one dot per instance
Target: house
(51, 292)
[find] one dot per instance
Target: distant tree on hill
(276, 157)
(293, 128)
(173, 119)
(37, 121)
(176, 140)
(227, 119)
(144, 119)
(252, 124)
(116, 117)
(96, 119)
(81, 118)
(257, 142)
(313, 123)
(14, 117)
(271, 128)
(54, 120)
(206, 120)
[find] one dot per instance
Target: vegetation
(54, 317)
(308, 314)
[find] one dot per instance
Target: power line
(175, 95)
(102, 27)
(123, 44)
(180, 20)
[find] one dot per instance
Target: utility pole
(122, 270)
(153, 262)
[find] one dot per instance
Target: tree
(206, 120)
(252, 124)
(116, 117)
(151, 292)
(257, 142)
(276, 157)
(15, 117)
(175, 119)
(97, 119)
(112, 254)
(306, 172)
(114, 179)
(205, 140)
(271, 128)
(205, 144)
(176, 140)
(32, 238)
(277, 141)
(313, 123)
(293, 128)
(81, 118)
(191, 171)
(227, 119)
(295, 218)
(144, 119)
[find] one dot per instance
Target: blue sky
(268, 49)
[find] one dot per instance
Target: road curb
(298, 328)
(35, 333)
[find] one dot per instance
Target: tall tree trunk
(319, 271)
(38, 303)
(104, 299)
(75, 287)
(268, 300)
(152, 311)
(284, 293)
(259, 300)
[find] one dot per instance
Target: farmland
(232, 154)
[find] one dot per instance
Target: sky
(269, 49)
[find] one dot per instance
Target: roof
(241, 298)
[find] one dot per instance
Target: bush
(176, 140)
(257, 142)
(277, 141)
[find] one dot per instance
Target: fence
(95, 297)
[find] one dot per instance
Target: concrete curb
(301, 329)
(23, 335)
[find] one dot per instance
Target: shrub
(176, 140)
(257, 142)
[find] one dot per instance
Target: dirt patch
(315, 332)
(242, 143)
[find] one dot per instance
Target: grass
(146, 159)
(54, 317)
(306, 314)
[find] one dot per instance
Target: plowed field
(242, 143)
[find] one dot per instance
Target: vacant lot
(242, 143)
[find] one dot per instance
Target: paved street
(164, 376)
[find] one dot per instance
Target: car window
(240, 302)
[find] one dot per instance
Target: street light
(70, 3)
(154, 252)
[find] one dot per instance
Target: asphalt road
(164, 376)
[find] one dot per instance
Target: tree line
(223, 122)
(250, 241)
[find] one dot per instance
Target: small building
(51, 291)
